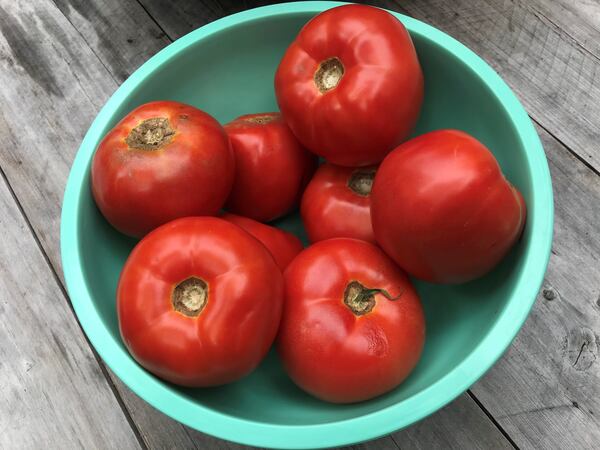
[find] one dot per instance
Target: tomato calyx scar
(151, 134)
(328, 74)
(361, 300)
(261, 119)
(361, 181)
(190, 296)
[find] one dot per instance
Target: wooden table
(60, 60)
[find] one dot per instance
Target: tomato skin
(329, 351)
(283, 246)
(239, 322)
(272, 168)
(330, 208)
(442, 209)
(377, 101)
(138, 190)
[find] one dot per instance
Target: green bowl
(226, 68)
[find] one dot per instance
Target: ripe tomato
(350, 86)
(164, 160)
(442, 209)
(336, 203)
(272, 168)
(352, 325)
(199, 302)
(283, 246)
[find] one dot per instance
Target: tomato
(164, 160)
(352, 325)
(272, 168)
(443, 210)
(336, 203)
(283, 246)
(199, 302)
(350, 86)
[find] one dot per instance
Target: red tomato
(350, 86)
(199, 302)
(442, 209)
(352, 326)
(337, 203)
(283, 246)
(164, 160)
(272, 168)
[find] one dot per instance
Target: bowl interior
(231, 73)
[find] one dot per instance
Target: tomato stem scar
(262, 119)
(361, 181)
(151, 134)
(361, 300)
(190, 296)
(329, 74)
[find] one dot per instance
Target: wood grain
(579, 21)
(120, 33)
(182, 16)
(53, 393)
(554, 76)
(52, 87)
(475, 432)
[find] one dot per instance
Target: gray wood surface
(52, 389)
(59, 62)
(531, 46)
(183, 16)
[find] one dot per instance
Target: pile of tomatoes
(205, 294)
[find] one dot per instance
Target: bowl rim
(347, 431)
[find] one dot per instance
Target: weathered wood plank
(443, 434)
(53, 85)
(578, 20)
(555, 77)
(52, 61)
(52, 391)
(120, 33)
(157, 430)
(182, 16)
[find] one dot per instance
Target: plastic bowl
(226, 68)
